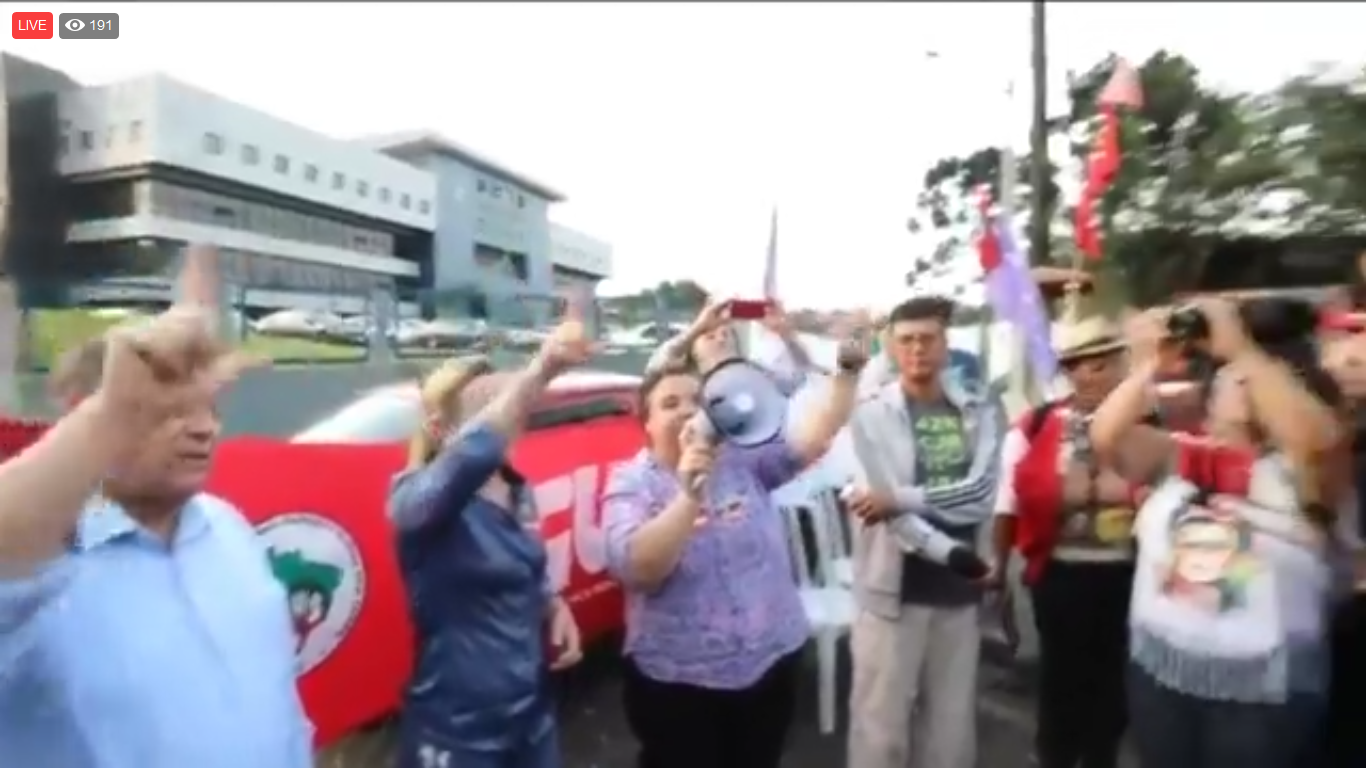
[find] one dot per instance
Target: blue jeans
(537, 747)
(1174, 730)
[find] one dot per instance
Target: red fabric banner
(320, 509)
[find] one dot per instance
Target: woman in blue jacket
(474, 567)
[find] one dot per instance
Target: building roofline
(432, 142)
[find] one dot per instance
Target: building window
(213, 144)
(424, 207)
(521, 200)
(111, 134)
(481, 186)
(310, 173)
(63, 144)
(87, 140)
(250, 154)
(362, 188)
(405, 201)
(497, 192)
(338, 181)
(281, 164)
(384, 194)
(135, 132)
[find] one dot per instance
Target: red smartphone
(1346, 322)
(748, 309)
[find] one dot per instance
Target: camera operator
(1228, 664)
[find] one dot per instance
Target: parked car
(297, 322)
(391, 414)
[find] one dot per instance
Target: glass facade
(158, 260)
(170, 201)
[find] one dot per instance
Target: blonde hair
(440, 393)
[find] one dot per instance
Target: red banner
(568, 468)
(320, 509)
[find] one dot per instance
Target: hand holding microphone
(697, 452)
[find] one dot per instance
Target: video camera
(1270, 322)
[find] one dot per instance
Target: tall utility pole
(1038, 135)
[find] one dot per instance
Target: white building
(303, 220)
(578, 261)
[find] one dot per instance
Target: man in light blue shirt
(140, 624)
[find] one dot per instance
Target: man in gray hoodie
(927, 447)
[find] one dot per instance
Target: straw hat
(1087, 337)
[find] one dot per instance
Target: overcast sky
(673, 128)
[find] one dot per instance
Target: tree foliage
(1201, 165)
(677, 298)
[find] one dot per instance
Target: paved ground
(594, 732)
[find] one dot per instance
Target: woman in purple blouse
(714, 622)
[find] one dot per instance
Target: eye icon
(74, 25)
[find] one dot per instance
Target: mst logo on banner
(321, 569)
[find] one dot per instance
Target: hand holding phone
(748, 309)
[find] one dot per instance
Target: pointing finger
(573, 307)
(199, 282)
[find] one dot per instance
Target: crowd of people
(1190, 560)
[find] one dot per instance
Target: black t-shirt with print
(942, 456)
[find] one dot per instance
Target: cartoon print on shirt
(942, 448)
(1211, 560)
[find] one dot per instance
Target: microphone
(700, 427)
(915, 534)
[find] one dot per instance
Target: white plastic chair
(841, 538)
(829, 607)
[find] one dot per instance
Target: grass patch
(53, 331)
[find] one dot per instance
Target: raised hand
(695, 458)
(714, 315)
(569, 344)
(855, 342)
(150, 368)
(776, 320)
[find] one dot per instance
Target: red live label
(32, 25)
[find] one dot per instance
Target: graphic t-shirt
(942, 456)
(1232, 580)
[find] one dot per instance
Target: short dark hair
(923, 308)
(653, 377)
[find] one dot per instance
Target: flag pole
(1019, 380)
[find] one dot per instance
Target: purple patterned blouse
(730, 609)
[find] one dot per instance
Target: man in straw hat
(1071, 519)
(140, 624)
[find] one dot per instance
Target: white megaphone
(914, 533)
(741, 405)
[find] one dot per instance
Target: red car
(573, 417)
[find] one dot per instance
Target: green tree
(1199, 166)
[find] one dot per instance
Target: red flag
(1123, 89)
(1101, 167)
(988, 247)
